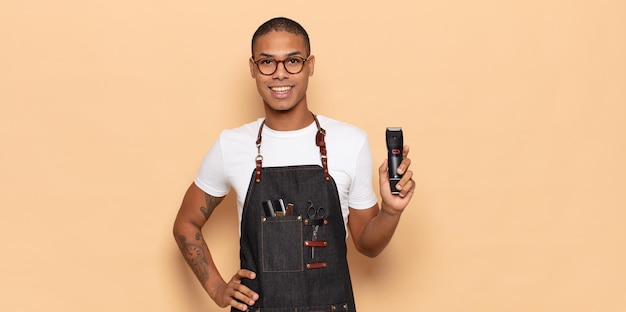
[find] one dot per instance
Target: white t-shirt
(230, 162)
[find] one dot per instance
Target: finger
(408, 194)
(243, 273)
(405, 151)
(404, 165)
(245, 296)
(382, 170)
(238, 305)
(406, 178)
(409, 189)
(242, 292)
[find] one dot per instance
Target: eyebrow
(262, 54)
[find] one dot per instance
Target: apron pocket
(282, 248)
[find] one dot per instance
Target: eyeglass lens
(292, 65)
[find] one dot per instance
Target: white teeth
(281, 89)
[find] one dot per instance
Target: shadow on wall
(365, 269)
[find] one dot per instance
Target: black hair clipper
(395, 145)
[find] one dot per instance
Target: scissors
(315, 214)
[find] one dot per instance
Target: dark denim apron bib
(296, 269)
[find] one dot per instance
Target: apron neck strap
(319, 141)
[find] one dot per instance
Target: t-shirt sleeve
(211, 178)
(362, 195)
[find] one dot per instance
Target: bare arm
(373, 228)
(194, 212)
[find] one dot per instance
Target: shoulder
(243, 133)
(339, 131)
(340, 127)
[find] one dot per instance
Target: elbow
(180, 228)
(184, 227)
(371, 255)
(176, 230)
(183, 232)
(368, 252)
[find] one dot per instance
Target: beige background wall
(515, 112)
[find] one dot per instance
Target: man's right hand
(236, 294)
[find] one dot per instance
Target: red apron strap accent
(309, 243)
(316, 265)
(319, 141)
(259, 158)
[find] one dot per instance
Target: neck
(288, 120)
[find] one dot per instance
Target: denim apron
(299, 255)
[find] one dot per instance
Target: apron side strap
(319, 141)
(259, 158)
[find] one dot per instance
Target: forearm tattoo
(211, 202)
(193, 252)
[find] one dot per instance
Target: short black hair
(282, 24)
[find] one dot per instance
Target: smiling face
(282, 91)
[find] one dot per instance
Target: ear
(252, 66)
(311, 64)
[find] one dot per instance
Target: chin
(283, 108)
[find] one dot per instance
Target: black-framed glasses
(292, 64)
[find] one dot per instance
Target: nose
(281, 70)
